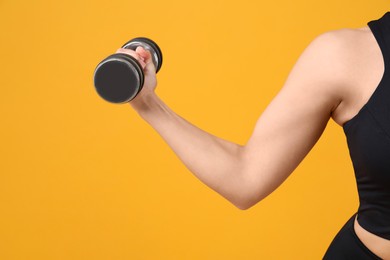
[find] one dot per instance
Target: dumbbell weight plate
(118, 78)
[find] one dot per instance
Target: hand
(144, 57)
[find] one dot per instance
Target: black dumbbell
(119, 77)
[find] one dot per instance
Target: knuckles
(134, 54)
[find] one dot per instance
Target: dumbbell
(120, 77)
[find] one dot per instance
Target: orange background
(81, 178)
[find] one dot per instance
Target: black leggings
(347, 245)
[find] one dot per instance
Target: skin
(333, 78)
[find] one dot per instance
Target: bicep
(294, 120)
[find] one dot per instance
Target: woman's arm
(284, 134)
(216, 162)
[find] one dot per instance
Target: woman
(340, 75)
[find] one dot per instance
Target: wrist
(146, 101)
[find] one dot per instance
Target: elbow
(243, 206)
(246, 204)
(247, 197)
(247, 192)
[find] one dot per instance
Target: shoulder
(340, 47)
(329, 59)
(340, 39)
(336, 47)
(358, 68)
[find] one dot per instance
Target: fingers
(144, 54)
(138, 55)
(147, 58)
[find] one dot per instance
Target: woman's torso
(365, 71)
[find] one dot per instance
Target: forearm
(214, 161)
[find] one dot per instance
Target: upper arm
(295, 119)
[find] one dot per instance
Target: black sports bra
(368, 138)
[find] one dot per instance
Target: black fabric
(347, 245)
(368, 139)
